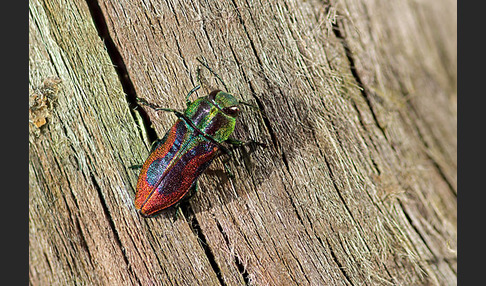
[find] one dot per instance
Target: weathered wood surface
(358, 186)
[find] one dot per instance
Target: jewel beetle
(186, 150)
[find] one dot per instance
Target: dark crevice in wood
(66, 203)
(291, 275)
(48, 262)
(348, 210)
(179, 50)
(333, 179)
(256, 252)
(434, 259)
(434, 162)
(305, 62)
(417, 231)
(239, 264)
(75, 200)
(120, 68)
(242, 270)
(375, 165)
(174, 12)
(294, 206)
(83, 242)
(360, 119)
(108, 217)
(365, 94)
(250, 41)
(335, 186)
(196, 229)
(349, 55)
(299, 264)
(441, 173)
(107, 214)
(266, 121)
(336, 260)
(286, 163)
(441, 259)
(210, 43)
(316, 233)
(152, 237)
(272, 133)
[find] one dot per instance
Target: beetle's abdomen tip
(140, 209)
(143, 214)
(148, 210)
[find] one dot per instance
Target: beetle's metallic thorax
(208, 118)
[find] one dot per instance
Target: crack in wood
(415, 228)
(120, 68)
(196, 229)
(340, 266)
(239, 265)
(364, 92)
(434, 162)
(109, 219)
(83, 242)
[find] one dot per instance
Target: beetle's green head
(225, 102)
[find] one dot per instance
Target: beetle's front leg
(239, 143)
(155, 107)
(229, 153)
(236, 144)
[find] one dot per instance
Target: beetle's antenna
(188, 102)
(248, 104)
(215, 74)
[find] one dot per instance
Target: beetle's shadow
(220, 185)
(254, 164)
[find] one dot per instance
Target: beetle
(187, 149)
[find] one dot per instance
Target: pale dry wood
(83, 226)
(357, 187)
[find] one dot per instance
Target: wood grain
(358, 108)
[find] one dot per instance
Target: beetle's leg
(229, 153)
(235, 142)
(238, 143)
(249, 105)
(227, 168)
(155, 107)
(135, 167)
(203, 62)
(178, 210)
(192, 191)
(156, 144)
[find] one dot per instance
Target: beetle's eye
(231, 110)
(212, 95)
